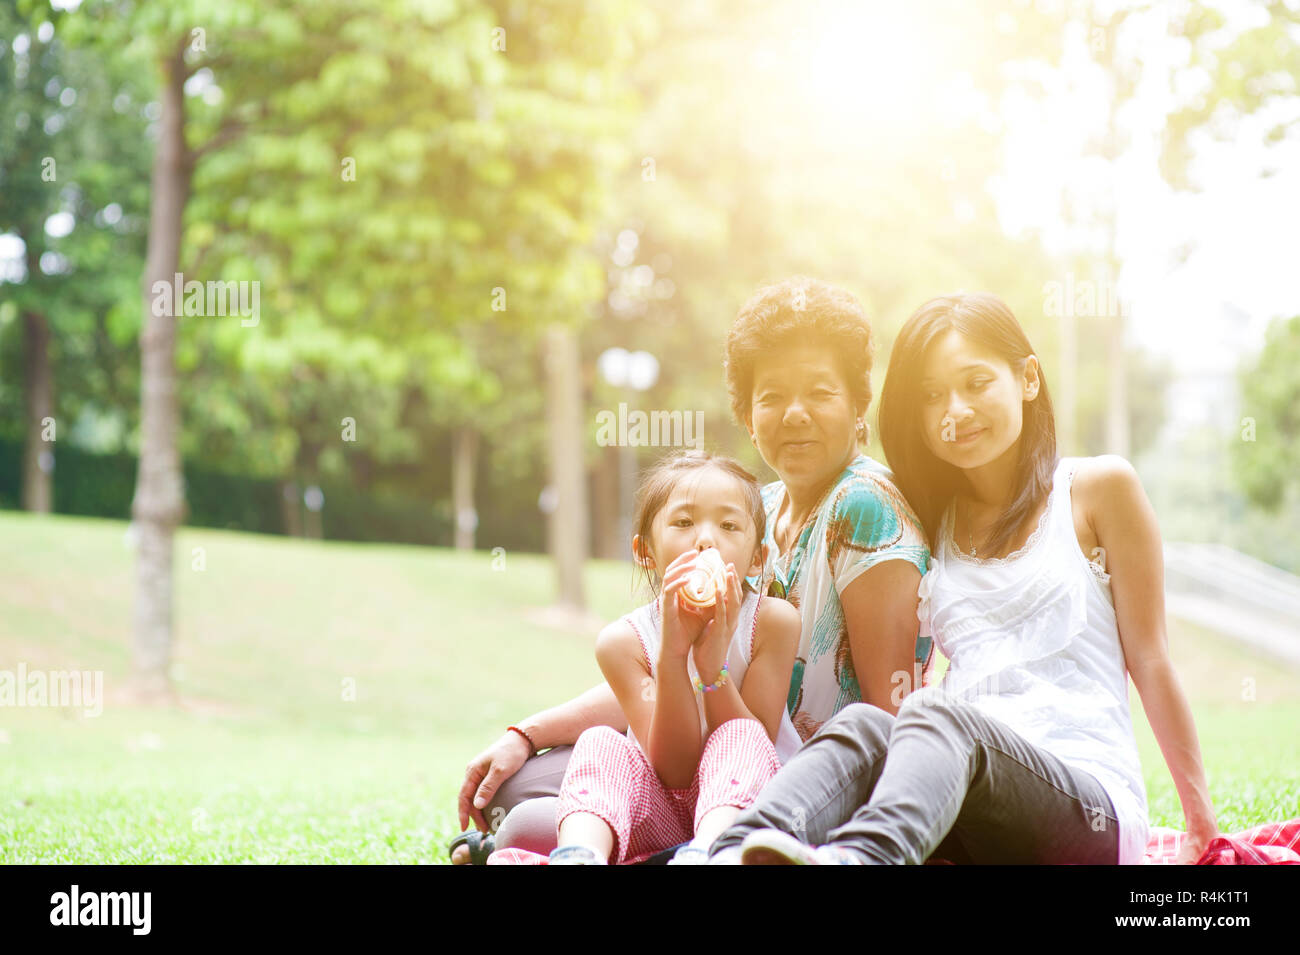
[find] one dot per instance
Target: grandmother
(841, 544)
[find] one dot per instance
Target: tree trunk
(362, 466)
(464, 457)
(568, 523)
(313, 524)
(1117, 430)
(291, 503)
(159, 500)
(38, 385)
(1117, 418)
(307, 469)
(605, 507)
(1067, 411)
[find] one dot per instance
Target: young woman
(1045, 593)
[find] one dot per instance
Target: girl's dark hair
(927, 482)
(657, 485)
(799, 311)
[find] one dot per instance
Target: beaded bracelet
(531, 745)
(722, 679)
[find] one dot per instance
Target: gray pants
(525, 803)
(957, 785)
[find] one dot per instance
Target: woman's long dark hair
(928, 483)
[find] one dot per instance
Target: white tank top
(647, 622)
(1032, 640)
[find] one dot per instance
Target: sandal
(480, 844)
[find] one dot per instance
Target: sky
(1203, 272)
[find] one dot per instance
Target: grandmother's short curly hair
(799, 310)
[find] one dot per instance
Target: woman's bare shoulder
(1102, 470)
(1103, 481)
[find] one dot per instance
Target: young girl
(703, 688)
(1045, 594)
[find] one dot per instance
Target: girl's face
(802, 415)
(971, 401)
(707, 509)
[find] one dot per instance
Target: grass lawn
(332, 694)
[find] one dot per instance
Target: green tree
(1267, 463)
(173, 40)
(1232, 70)
(71, 154)
(380, 169)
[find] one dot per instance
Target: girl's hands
(682, 627)
(710, 649)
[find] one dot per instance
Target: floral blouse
(861, 521)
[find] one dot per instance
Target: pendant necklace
(970, 535)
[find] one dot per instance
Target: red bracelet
(531, 745)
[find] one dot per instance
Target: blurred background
(437, 245)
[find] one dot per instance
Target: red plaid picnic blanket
(1273, 843)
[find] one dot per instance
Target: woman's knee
(860, 720)
(530, 826)
(934, 709)
(539, 776)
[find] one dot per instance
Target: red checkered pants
(608, 775)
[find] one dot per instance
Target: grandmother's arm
(558, 726)
(562, 725)
(880, 618)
